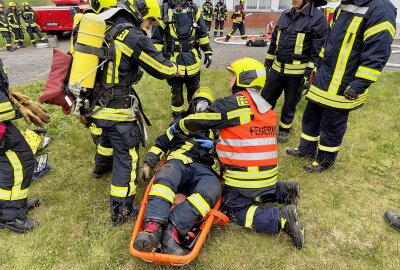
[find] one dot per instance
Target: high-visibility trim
(199, 203)
(344, 54)
(198, 14)
(328, 148)
(7, 116)
(309, 138)
(246, 156)
(177, 108)
(292, 69)
(270, 56)
(257, 199)
(248, 142)
(334, 101)
(278, 37)
(287, 126)
(203, 116)
(146, 58)
(243, 114)
(251, 184)
(95, 130)
(322, 53)
(298, 49)
(17, 173)
(252, 173)
(112, 114)
(159, 47)
(104, 151)
(368, 73)
(162, 191)
(384, 26)
(157, 151)
(250, 216)
(179, 153)
(5, 195)
(120, 192)
(135, 157)
(5, 106)
(169, 133)
(354, 9)
(204, 40)
(124, 48)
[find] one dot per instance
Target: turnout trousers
(18, 36)
(275, 85)
(219, 25)
(196, 180)
(37, 31)
(208, 25)
(241, 28)
(16, 170)
(245, 212)
(177, 101)
(118, 151)
(7, 38)
(322, 134)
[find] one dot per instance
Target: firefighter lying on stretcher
(188, 170)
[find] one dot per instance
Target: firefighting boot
(21, 44)
(149, 238)
(122, 212)
(99, 173)
(32, 204)
(283, 136)
(295, 152)
(34, 43)
(316, 167)
(393, 220)
(290, 192)
(288, 222)
(10, 49)
(19, 225)
(227, 38)
(170, 243)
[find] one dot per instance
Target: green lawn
(340, 209)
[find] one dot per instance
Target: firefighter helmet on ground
(249, 72)
(98, 5)
(25, 4)
(12, 4)
(143, 9)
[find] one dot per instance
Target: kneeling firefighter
(181, 41)
(106, 63)
(188, 170)
(248, 151)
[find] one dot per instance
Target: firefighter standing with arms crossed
(5, 28)
(14, 19)
(248, 151)
(356, 50)
(184, 33)
(220, 15)
(112, 102)
(238, 17)
(296, 42)
(208, 14)
(30, 22)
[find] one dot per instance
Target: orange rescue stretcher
(213, 217)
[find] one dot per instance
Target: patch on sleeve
(242, 101)
(121, 36)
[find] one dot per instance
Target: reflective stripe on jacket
(357, 49)
(251, 144)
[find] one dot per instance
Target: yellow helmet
(98, 5)
(25, 4)
(12, 4)
(201, 99)
(204, 92)
(143, 9)
(249, 72)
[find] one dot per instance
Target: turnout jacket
(208, 11)
(7, 110)
(220, 12)
(29, 17)
(356, 50)
(184, 33)
(238, 15)
(4, 25)
(134, 51)
(14, 19)
(297, 40)
(228, 112)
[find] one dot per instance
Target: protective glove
(146, 173)
(172, 130)
(3, 129)
(351, 93)
(207, 60)
(31, 111)
(38, 110)
(209, 144)
(268, 64)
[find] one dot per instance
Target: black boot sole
(141, 243)
(388, 223)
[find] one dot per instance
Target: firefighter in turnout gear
(220, 15)
(5, 28)
(295, 45)
(185, 32)
(14, 19)
(16, 167)
(238, 17)
(188, 170)
(208, 14)
(248, 151)
(28, 14)
(357, 48)
(113, 105)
